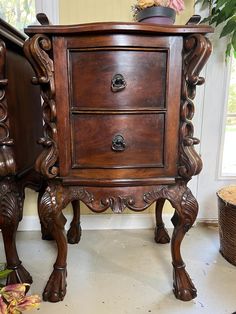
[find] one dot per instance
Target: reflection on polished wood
(20, 126)
(126, 147)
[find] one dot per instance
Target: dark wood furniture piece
(118, 132)
(20, 127)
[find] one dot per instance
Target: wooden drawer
(95, 140)
(145, 112)
(92, 71)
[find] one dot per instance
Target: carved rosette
(197, 49)
(37, 49)
(7, 162)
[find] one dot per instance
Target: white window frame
(50, 8)
(220, 176)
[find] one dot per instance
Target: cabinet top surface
(8, 32)
(119, 27)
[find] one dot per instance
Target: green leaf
(207, 19)
(221, 18)
(234, 40)
(228, 51)
(214, 11)
(213, 20)
(5, 273)
(222, 14)
(220, 3)
(229, 8)
(229, 27)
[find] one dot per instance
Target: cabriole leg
(186, 207)
(46, 235)
(50, 212)
(74, 233)
(11, 203)
(161, 234)
(19, 274)
(175, 219)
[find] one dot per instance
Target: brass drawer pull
(118, 143)
(118, 83)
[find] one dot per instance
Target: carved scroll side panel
(7, 162)
(197, 49)
(37, 50)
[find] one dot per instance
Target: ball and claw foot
(183, 287)
(19, 275)
(161, 234)
(74, 234)
(55, 289)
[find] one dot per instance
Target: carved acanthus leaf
(11, 202)
(189, 207)
(37, 50)
(80, 193)
(57, 197)
(181, 199)
(197, 49)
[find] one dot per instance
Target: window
(229, 155)
(18, 13)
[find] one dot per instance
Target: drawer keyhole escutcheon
(118, 83)
(118, 143)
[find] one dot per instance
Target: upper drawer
(91, 73)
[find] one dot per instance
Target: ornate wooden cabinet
(20, 127)
(118, 132)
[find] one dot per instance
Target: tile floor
(126, 272)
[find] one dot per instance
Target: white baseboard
(103, 222)
(109, 221)
(208, 221)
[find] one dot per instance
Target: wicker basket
(227, 222)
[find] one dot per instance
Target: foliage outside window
(229, 156)
(18, 13)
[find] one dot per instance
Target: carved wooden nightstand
(118, 131)
(20, 127)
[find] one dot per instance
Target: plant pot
(227, 222)
(157, 15)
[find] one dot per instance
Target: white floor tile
(126, 272)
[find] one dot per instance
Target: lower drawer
(117, 140)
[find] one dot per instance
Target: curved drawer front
(92, 72)
(117, 140)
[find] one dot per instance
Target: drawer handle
(118, 83)
(118, 143)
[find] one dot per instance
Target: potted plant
(223, 12)
(157, 11)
